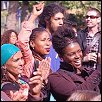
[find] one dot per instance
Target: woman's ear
(32, 44)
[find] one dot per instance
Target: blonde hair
(82, 95)
(96, 98)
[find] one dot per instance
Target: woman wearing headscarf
(17, 87)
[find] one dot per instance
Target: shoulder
(59, 75)
(4, 97)
(53, 76)
(83, 31)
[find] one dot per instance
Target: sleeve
(65, 86)
(23, 44)
(5, 97)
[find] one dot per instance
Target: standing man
(51, 18)
(92, 52)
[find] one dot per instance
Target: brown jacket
(65, 81)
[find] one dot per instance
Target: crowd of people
(52, 62)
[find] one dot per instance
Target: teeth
(78, 62)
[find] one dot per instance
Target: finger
(11, 94)
(93, 59)
(35, 78)
(16, 96)
(37, 73)
(39, 6)
(37, 81)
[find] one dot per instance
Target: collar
(68, 67)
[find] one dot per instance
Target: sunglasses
(91, 17)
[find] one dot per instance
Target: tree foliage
(26, 7)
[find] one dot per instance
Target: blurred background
(14, 12)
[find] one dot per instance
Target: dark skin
(73, 55)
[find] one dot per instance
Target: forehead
(13, 34)
(17, 55)
(92, 13)
(42, 35)
(58, 15)
(38, 34)
(72, 47)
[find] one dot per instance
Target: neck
(48, 30)
(92, 31)
(78, 71)
(38, 56)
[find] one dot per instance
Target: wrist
(36, 97)
(31, 17)
(37, 94)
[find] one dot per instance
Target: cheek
(39, 48)
(11, 66)
(68, 59)
(54, 25)
(38, 45)
(11, 69)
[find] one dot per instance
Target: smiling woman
(71, 76)
(9, 36)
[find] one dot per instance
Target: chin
(20, 72)
(78, 67)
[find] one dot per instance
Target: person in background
(82, 95)
(96, 98)
(92, 57)
(13, 83)
(9, 36)
(51, 18)
(71, 76)
(92, 33)
(72, 25)
(72, 21)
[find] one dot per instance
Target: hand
(90, 57)
(38, 8)
(36, 83)
(45, 68)
(18, 96)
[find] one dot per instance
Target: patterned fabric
(94, 48)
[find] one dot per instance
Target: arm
(66, 85)
(23, 39)
(35, 87)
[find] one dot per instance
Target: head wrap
(7, 51)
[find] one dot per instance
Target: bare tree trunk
(11, 18)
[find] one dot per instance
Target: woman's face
(13, 38)
(73, 55)
(15, 64)
(42, 43)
